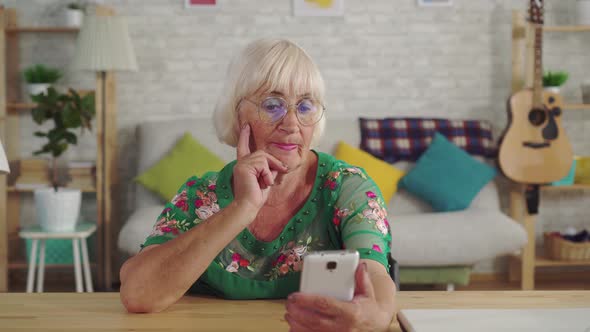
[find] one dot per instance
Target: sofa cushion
(454, 238)
(447, 177)
(137, 228)
(395, 139)
(385, 175)
(157, 137)
(187, 158)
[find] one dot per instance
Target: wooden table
(104, 312)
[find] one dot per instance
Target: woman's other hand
(254, 173)
(307, 312)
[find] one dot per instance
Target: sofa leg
(450, 287)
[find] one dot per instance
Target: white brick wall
(383, 58)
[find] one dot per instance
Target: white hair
(267, 65)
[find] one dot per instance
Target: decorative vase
(552, 89)
(74, 18)
(37, 88)
(583, 10)
(58, 211)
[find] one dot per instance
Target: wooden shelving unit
(12, 189)
(15, 29)
(11, 108)
(576, 107)
(567, 28)
(19, 106)
(522, 267)
(571, 187)
(21, 265)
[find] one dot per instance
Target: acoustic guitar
(534, 148)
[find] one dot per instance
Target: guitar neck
(538, 70)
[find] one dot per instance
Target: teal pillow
(447, 177)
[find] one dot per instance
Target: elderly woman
(242, 232)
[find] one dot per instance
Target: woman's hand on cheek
(254, 172)
(307, 312)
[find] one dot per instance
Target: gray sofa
(431, 247)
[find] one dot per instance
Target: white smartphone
(330, 273)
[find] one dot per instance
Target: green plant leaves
(67, 111)
(41, 74)
(557, 78)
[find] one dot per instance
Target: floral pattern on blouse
(237, 262)
(206, 203)
(290, 259)
(167, 224)
(376, 213)
(339, 214)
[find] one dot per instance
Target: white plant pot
(58, 211)
(583, 11)
(74, 18)
(553, 89)
(37, 88)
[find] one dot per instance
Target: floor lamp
(104, 46)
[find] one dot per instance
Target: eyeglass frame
(259, 106)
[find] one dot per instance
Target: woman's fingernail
(291, 298)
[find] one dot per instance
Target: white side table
(78, 236)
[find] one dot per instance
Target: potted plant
(57, 207)
(75, 14)
(552, 81)
(39, 78)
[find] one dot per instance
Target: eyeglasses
(273, 109)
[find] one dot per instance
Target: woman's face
(287, 140)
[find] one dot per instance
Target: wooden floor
(62, 281)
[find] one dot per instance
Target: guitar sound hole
(537, 117)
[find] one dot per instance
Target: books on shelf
(35, 173)
(82, 174)
(32, 174)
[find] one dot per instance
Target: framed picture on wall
(201, 4)
(318, 7)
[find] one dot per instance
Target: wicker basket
(559, 249)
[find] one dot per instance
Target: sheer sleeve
(194, 201)
(361, 217)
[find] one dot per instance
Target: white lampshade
(4, 167)
(104, 44)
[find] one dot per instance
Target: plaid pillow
(396, 139)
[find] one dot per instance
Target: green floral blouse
(344, 210)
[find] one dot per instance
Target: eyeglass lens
(273, 109)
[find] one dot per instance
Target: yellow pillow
(384, 174)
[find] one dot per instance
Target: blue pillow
(447, 177)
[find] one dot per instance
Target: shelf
(20, 265)
(42, 29)
(21, 106)
(541, 261)
(545, 262)
(576, 107)
(567, 28)
(12, 189)
(571, 187)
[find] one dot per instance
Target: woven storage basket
(559, 249)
